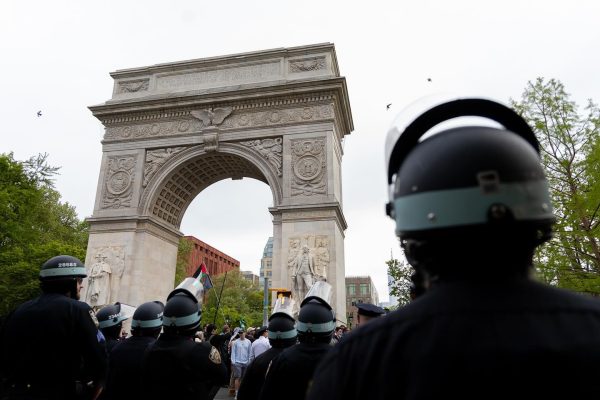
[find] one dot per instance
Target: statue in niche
(98, 291)
(321, 258)
(303, 273)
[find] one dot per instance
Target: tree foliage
(570, 152)
(240, 300)
(34, 226)
(400, 271)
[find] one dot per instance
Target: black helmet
(148, 316)
(316, 321)
(282, 325)
(466, 182)
(110, 316)
(182, 312)
(62, 267)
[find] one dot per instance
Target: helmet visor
(193, 287)
(322, 290)
(284, 305)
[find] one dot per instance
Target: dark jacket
(472, 340)
(176, 367)
(291, 371)
(49, 346)
(254, 378)
(125, 369)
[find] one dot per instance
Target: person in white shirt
(240, 358)
(261, 344)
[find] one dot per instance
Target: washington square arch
(172, 130)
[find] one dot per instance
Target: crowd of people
(471, 205)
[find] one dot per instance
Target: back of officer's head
(182, 314)
(147, 319)
(61, 274)
(471, 200)
(110, 320)
(282, 330)
(316, 321)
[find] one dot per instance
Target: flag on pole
(204, 277)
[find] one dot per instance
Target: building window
(364, 289)
(351, 289)
(269, 273)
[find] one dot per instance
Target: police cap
(369, 310)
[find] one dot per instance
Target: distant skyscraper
(393, 299)
(266, 263)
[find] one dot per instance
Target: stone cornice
(331, 91)
(308, 212)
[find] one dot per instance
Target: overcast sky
(56, 57)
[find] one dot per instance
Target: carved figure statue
(321, 258)
(98, 292)
(303, 273)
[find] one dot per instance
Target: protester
(240, 358)
(471, 205)
(261, 344)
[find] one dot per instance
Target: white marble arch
(171, 130)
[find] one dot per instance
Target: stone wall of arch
(171, 130)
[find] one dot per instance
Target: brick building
(359, 289)
(216, 261)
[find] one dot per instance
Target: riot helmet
(110, 320)
(147, 319)
(316, 319)
(472, 185)
(282, 325)
(183, 310)
(60, 274)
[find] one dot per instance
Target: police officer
(367, 312)
(175, 366)
(49, 344)
(110, 319)
(471, 205)
(282, 334)
(125, 362)
(290, 372)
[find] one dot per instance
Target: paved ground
(223, 395)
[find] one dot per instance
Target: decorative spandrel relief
(236, 120)
(307, 64)
(308, 262)
(133, 86)
(270, 149)
(118, 180)
(309, 167)
(156, 159)
(104, 276)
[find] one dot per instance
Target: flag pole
(219, 299)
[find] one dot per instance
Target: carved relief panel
(309, 167)
(119, 179)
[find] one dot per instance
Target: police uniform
(50, 347)
(290, 373)
(176, 367)
(254, 378)
(470, 218)
(471, 340)
(125, 368)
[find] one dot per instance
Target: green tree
(570, 152)
(400, 272)
(183, 255)
(240, 300)
(34, 226)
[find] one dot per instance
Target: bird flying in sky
(388, 106)
(39, 113)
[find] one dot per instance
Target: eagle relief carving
(212, 116)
